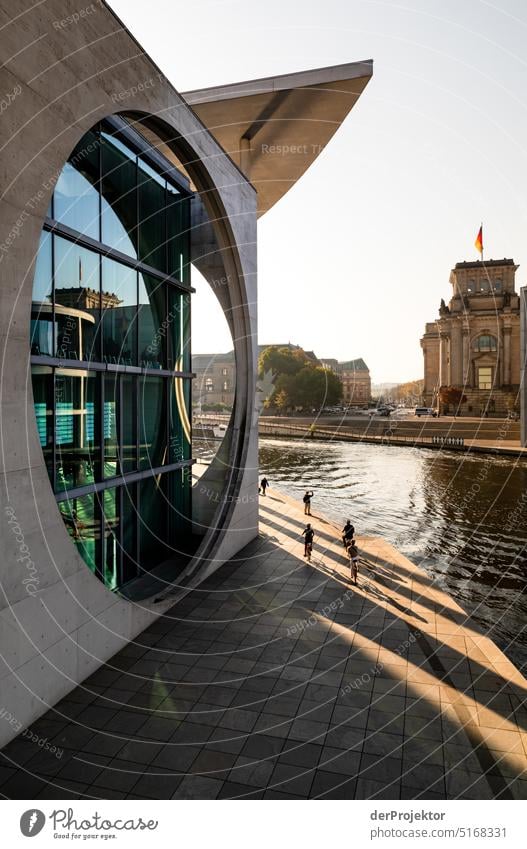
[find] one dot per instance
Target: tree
(451, 395)
(298, 380)
(281, 360)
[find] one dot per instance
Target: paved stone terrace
(279, 680)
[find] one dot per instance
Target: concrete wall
(58, 623)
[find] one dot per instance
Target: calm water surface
(462, 518)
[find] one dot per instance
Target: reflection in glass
(77, 445)
(119, 313)
(152, 322)
(152, 423)
(178, 223)
(118, 200)
(99, 419)
(110, 427)
(129, 567)
(41, 307)
(178, 320)
(111, 549)
(82, 520)
(180, 433)
(152, 220)
(153, 532)
(42, 379)
(77, 301)
(128, 454)
(76, 198)
(178, 490)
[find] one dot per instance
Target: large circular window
(110, 352)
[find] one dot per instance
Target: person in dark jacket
(308, 533)
(264, 483)
(353, 554)
(348, 532)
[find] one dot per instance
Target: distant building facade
(215, 379)
(216, 375)
(355, 378)
(474, 345)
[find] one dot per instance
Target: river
(462, 518)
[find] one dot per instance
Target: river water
(462, 518)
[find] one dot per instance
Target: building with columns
(474, 344)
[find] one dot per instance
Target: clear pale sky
(356, 257)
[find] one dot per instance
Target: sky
(355, 258)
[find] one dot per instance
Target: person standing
(353, 554)
(308, 533)
(348, 532)
(307, 501)
(264, 483)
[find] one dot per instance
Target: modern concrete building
(355, 379)
(474, 345)
(113, 187)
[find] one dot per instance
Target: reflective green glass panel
(152, 322)
(129, 522)
(110, 425)
(128, 453)
(77, 411)
(152, 219)
(119, 313)
(76, 196)
(152, 423)
(41, 307)
(77, 301)
(83, 523)
(154, 545)
(180, 429)
(118, 196)
(42, 380)
(111, 546)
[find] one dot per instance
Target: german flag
(479, 240)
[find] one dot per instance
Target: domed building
(474, 344)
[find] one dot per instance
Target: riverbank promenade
(278, 679)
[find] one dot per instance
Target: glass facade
(110, 346)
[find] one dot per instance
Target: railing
(388, 437)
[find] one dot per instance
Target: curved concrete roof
(274, 128)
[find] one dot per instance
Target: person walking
(308, 533)
(307, 501)
(264, 483)
(353, 554)
(348, 532)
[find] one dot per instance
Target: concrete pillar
(444, 377)
(507, 356)
(456, 355)
(466, 356)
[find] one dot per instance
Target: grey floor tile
(198, 787)
(251, 771)
(332, 785)
(291, 778)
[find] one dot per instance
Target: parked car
(425, 411)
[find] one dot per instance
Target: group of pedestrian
(348, 541)
(348, 533)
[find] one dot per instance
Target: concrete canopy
(274, 128)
